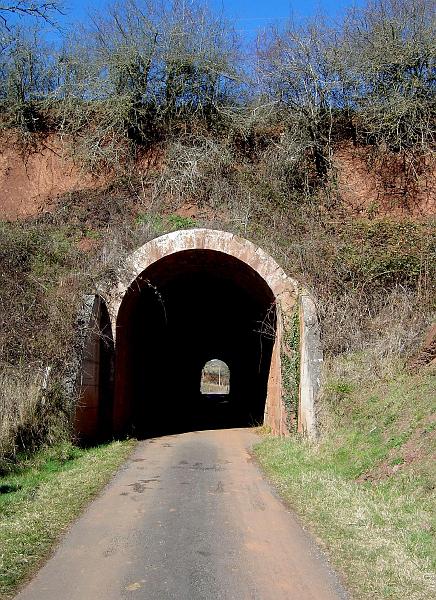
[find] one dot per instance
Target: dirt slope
(33, 176)
(379, 184)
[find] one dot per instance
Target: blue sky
(249, 15)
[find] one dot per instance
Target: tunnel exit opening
(215, 378)
(180, 311)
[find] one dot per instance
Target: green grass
(366, 490)
(44, 494)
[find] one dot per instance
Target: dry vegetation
(157, 96)
(153, 98)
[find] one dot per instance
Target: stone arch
(248, 263)
(284, 288)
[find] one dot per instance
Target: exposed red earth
(34, 175)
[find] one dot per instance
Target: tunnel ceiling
(188, 263)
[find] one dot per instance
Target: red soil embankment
(33, 176)
(385, 184)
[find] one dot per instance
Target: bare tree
(39, 9)
(370, 77)
(28, 76)
(297, 69)
(389, 49)
(143, 69)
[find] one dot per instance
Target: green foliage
(151, 219)
(290, 363)
(178, 222)
(41, 496)
(162, 223)
(340, 388)
(366, 489)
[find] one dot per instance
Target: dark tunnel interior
(184, 310)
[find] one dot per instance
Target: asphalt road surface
(189, 517)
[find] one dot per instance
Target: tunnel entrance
(179, 301)
(180, 311)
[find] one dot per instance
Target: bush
(33, 412)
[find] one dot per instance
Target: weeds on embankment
(366, 489)
(169, 122)
(42, 496)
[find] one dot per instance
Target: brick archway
(284, 288)
(187, 255)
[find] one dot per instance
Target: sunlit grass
(366, 490)
(42, 497)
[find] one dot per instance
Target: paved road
(189, 517)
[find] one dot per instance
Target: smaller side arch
(93, 413)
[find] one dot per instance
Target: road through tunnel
(183, 310)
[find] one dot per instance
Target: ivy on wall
(290, 359)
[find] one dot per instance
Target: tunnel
(182, 311)
(177, 303)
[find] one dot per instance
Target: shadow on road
(205, 412)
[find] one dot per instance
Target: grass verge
(42, 497)
(366, 490)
